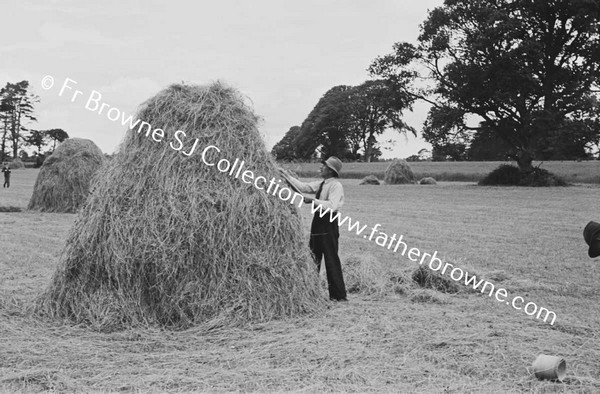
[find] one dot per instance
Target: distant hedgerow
(509, 175)
(10, 209)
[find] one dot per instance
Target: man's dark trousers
(324, 237)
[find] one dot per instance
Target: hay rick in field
(324, 233)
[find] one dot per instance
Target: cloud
(55, 36)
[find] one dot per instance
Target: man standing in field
(324, 233)
(6, 172)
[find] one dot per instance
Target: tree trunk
(368, 151)
(4, 136)
(3, 152)
(17, 135)
(525, 160)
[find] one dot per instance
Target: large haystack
(399, 172)
(166, 239)
(63, 182)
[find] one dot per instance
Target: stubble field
(413, 340)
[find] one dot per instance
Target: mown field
(386, 339)
(462, 171)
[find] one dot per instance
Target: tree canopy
(527, 69)
(284, 149)
(346, 120)
(16, 107)
(56, 135)
(38, 139)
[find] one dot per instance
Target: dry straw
(367, 275)
(16, 164)
(434, 280)
(63, 182)
(370, 180)
(399, 172)
(166, 240)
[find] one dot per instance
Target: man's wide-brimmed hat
(334, 163)
(590, 234)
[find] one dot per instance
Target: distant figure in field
(6, 172)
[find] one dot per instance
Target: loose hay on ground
(166, 240)
(367, 275)
(63, 182)
(428, 296)
(429, 279)
(370, 180)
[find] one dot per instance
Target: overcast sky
(283, 55)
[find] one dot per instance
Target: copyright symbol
(47, 82)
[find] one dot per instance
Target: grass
(530, 239)
(465, 171)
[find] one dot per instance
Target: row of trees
(346, 122)
(514, 79)
(16, 110)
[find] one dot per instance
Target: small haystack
(367, 275)
(428, 296)
(370, 180)
(16, 164)
(166, 239)
(63, 182)
(399, 172)
(427, 181)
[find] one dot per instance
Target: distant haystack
(16, 164)
(399, 172)
(63, 182)
(370, 180)
(427, 181)
(169, 239)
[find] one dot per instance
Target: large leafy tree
(486, 145)
(348, 119)
(38, 139)
(284, 149)
(526, 68)
(374, 107)
(324, 131)
(16, 105)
